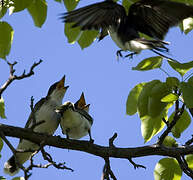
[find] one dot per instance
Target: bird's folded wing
(155, 17)
(85, 114)
(36, 108)
(96, 16)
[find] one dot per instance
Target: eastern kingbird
(75, 120)
(151, 17)
(44, 110)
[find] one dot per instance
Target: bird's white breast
(131, 45)
(51, 118)
(77, 124)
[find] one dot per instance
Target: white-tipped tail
(10, 167)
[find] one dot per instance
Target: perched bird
(75, 120)
(44, 111)
(151, 17)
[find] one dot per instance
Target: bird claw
(118, 53)
(130, 55)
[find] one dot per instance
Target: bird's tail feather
(156, 44)
(10, 167)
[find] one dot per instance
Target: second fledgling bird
(75, 120)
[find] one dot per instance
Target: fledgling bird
(151, 17)
(75, 120)
(44, 110)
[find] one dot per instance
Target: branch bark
(97, 150)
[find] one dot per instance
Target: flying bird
(44, 111)
(150, 17)
(75, 119)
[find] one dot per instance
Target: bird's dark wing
(96, 16)
(85, 114)
(36, 108)
(155, 17)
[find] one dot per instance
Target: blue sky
(94, 71)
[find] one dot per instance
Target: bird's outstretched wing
(96, 16)
(155, 17)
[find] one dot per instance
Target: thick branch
(86, 146)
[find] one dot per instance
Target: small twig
(32, 165)
(166, 122)
(13, 77)
(164, 71)
(48, 158)
(184, 166)
(111, 140)
(178, 114)
(189, 142)
(136, 165)
(32, 111)
(107, 172)
(162, 55)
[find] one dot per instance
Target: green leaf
(181, 125)
(58, 1)
(149, 64)
(189, 159)
(87, 38)
(2, 109)
(38, 11)
(190, 80)
(6, 39)
(2, 178)
(181, 68)
(126, 4)
(142, 103)
(172, 82)
(71, 4)
(18, 5)
(187, 89)
(167, 169)
(150, 126)
(187, 25)
(73, 34)
(131, 105)
(170, 98)
(155, 106)
(170, 142)
(1, 144)
(18, 178)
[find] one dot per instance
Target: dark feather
(155, 17)
(96, 16)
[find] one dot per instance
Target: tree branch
(184, 166)
(13, 77)
(86, 146)
(178, 114)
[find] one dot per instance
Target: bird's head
(64, 107)
(57, 90)
(81, 103)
